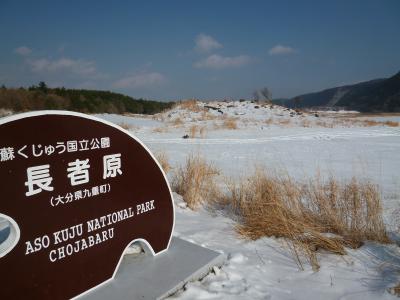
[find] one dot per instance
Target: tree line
(40, 97)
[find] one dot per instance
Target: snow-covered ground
(262, 269)
(301, 144)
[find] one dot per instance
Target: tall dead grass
(369, 123)
(391, 124)
(5, 112)
(163, 160)
(160, 129)
(206, 116)
(127, 126)
(197, 131)
(284, 122)
(306, 123)
(195, 181)
(326, 124)
(191, 105)
(177, 122)
(269, 121)
(311, 216)
(230, 123)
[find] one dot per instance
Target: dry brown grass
(269, 121)
(160, 129)
(177, 122)
(216, 125)
(203, 131)
(197, 131)
(195, 181)
(284, 122)
(326, 124)
(369, 123)
(5, 112)
(159, 117)
(193, 131)
(395, 290)
(310, 216)
(230, 123)
(206, 116)
(391, 124)
(350, 122)
(191, 105)
(305, 123)
(385, 114)
(127, 126)
(162, 159)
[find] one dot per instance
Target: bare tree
(297, 102)
(263, 94)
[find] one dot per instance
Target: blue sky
(171, 50)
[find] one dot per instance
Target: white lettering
(38, 176)
(111, 165)
(80, 245)
(145, 207)
(78, 171)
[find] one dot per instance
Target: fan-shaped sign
(76, 191)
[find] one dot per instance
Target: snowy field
(304, 146)
(239, 136)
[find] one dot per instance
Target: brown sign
(77, 191)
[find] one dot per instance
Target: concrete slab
(148, 277)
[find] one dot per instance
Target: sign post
(77, 190)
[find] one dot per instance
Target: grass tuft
(197, 131)
(391, 124)
(177, 122)
(230, 123)
(162, 158)
(312, 216)
(127, 126)
(195, 181)
(191, 105)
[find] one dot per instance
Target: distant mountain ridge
(379, 95)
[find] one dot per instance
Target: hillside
(87, 101)
(383, 95)
(379, 95)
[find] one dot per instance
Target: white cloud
(206, 43)
(148, 79)
(281, 50)
(76, 66)
(216, 61)
(23, 50)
